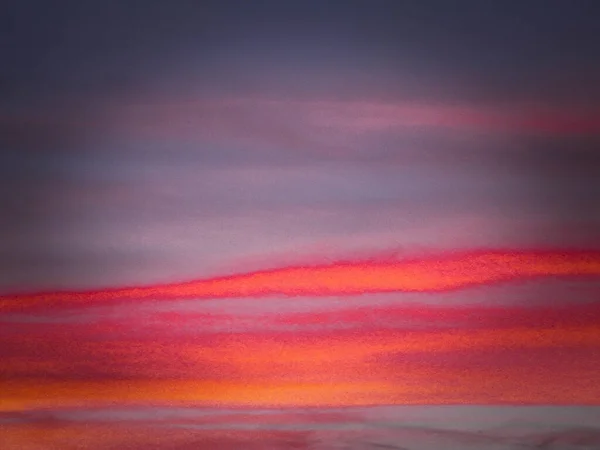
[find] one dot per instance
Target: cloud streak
(532, 355)
(431, 274)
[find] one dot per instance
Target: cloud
(428, 274)
(335, 128)
(543, 358)
(355, 428)
(88, 186)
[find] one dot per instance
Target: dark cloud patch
(36, 164)
(566, 175)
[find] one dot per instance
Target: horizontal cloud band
(427, 274)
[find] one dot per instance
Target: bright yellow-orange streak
(348, 278)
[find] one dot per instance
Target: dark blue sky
(492, 49)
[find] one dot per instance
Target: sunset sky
(284, 224)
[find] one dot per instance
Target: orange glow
(538, 354)
(474, 386)
(348, 278)
(336, 369)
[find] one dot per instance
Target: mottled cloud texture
(299, 225)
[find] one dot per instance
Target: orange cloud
(432, 274)
(523, 365)
(403, 384)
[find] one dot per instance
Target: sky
(297, 224)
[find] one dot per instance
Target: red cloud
(432, 274)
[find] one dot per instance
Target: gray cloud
(401, 427)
